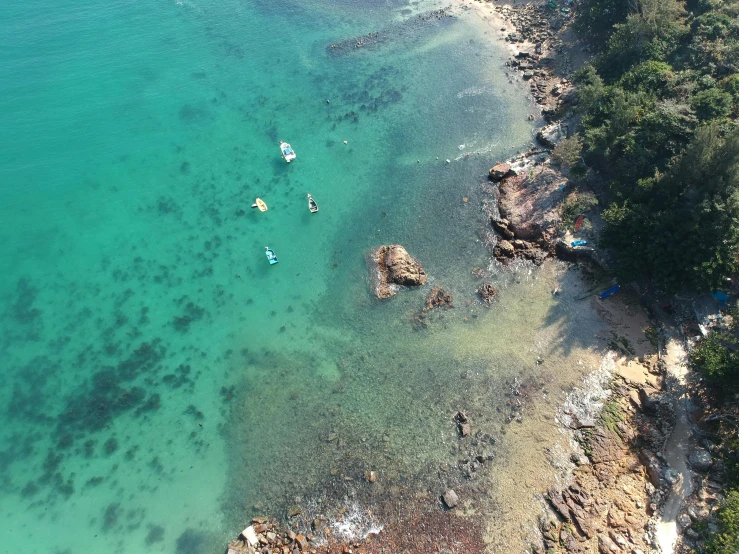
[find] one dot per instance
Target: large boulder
(530, 202)
(701, 460)
(394, 268)
(550, 135)
(498, 171)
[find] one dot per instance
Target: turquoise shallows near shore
(159, 377)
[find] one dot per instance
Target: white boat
(312, 206)
(287, 152)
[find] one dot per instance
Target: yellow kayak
(259, 203)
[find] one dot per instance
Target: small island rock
(395, 268)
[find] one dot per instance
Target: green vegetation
(659, 108)
(727, 541)
(577, 203)
(717, 356)
(567, 152)
(717, 359)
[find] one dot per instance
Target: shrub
(711, 103)
(717, 359)
(727, 541)
(651, 76)
(567, 153)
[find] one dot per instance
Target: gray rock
(671, 476)
(550, 135)
(450, 498)
(649, 404)
(606, 545)
(683, 520)
(701, 460)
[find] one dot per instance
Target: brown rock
(606, 545)
(438, 298)
(487, 292)
(498, 171)
(615, 518)
(395, 267)
(465, 429)
(501, 227)
(302, 542)
(505, 248)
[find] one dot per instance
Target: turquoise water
(162, 382)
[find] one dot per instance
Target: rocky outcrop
(550, 135)
(265, 534)
(569, 254)
(499, 170)
(438, 298)
(607, 505)
(395, 268)
(530, 203)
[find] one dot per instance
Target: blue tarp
(720, 296)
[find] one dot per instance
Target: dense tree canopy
(658, 115)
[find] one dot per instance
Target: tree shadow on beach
(589, 322)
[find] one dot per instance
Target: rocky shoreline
(617, 482)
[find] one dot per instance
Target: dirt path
(677, 446)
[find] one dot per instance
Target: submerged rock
(395, 268)
(438, 298)
(487, 292)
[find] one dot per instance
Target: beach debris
(346, 142)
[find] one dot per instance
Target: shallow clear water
(160, 377)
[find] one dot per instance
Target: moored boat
(271, 256)
(259, 203)
(312, 206)
(287, 152)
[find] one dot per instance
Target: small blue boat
(609, 292)
(578, 243)
(271, 256)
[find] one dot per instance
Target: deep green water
(160, 379)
